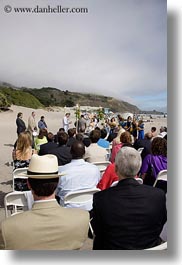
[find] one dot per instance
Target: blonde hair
(24, 144)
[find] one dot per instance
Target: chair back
(102, 165)
(139, 180)
(80, 199)
(19, 179)
(140, 149)
(114, 183)
(15, 202)
(162, 175)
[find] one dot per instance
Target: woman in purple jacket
(155, 162)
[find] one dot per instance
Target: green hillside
(49, 97)
(54, 97)
(9, 96)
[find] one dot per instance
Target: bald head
(77, 150)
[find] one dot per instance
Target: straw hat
(43, 167)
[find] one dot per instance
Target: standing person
(91, 125)
(112, 125)
(32, 127)
(134, 128)
(128, 126)
(82, 124)
(66, 122)
(47, 226)
(128, 216)
(140, 129)
(21, 127)
(42, 124)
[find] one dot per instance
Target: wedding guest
(94, 152)
(154, 162)
(22, 153)
(45, 148)
(42, 124)
(32, 123)
(77, 175)
(47, 226)
(21, 127)
(62, 151)
(140, 129)
(128, 216)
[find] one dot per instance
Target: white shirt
(77, 175)
(66, 123)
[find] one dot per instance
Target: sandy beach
(8, 137)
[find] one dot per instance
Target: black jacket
(46, 148)
(63, 154)
(128, 216)
(20, 125)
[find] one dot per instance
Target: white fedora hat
(43, 167)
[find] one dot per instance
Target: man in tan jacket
(32, 123)
(47, 226)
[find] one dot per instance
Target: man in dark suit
(145, 144)
(46, 148)
(62, 151)
(21, 127)
(130, 215)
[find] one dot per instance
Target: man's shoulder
(152, 190)
(15, 219)
(103, 193)
(76, 214)
(143, 189)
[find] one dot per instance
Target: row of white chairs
(19, 202)
(75, 197)
(20, 173)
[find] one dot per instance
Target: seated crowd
(66, 162)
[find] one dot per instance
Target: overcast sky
(118, 48)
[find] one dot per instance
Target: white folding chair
(114, 183)
(19, 173)
(109, 150)
(162, 175)
(15, 202)
(102, 165)
(139, 180)
(80, 199)
(140, 149)
(162, 246)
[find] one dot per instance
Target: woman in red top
(124, 138)
(110, 175)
